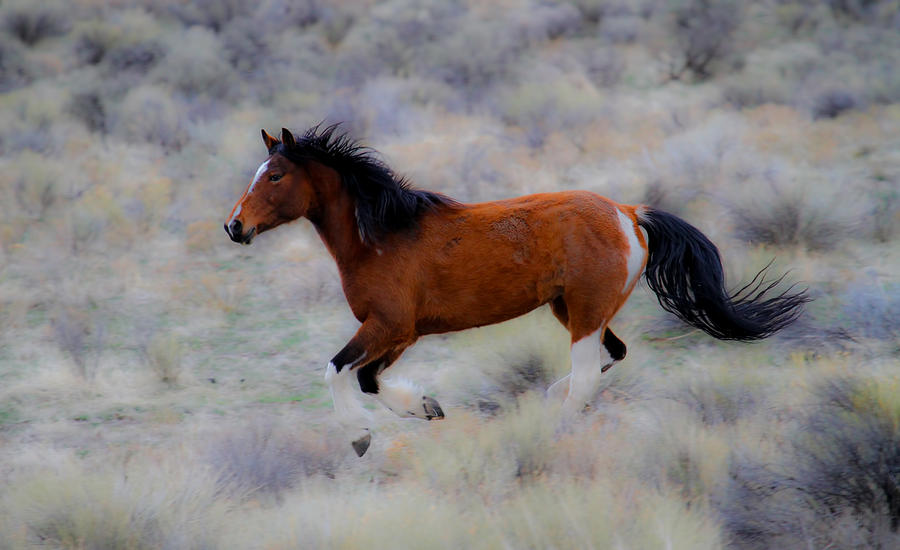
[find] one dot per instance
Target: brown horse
(414, 262)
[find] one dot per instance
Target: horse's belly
(482, 299)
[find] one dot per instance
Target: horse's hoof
(432, 409)
(361, 445)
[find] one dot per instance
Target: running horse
(414, 262)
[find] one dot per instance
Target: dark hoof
(361, 445)
(432, 409)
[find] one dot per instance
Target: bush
(212, 14)
(848, 456)
(148, 114)
(885, 213)
(541, 109)
(34, 22)
(94, 40)
(858, 10)
(831, 103)
(719, 401)
(788, 215)
(88, 107)
(80, 332)
(474, 57)
(837, 483)
(135, 57)
(195, 67)
(157, 506)
(703, 31)
(163, 355)
(872, 311)
(14, 69)
(263, 460)
(397, 39)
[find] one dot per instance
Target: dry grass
(161, 387)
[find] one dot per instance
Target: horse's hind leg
(591, 356)
(401, 396)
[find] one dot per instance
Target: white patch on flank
(589, 356)
(402, 396)
(636, 252)
(345, 393)
(259, 173)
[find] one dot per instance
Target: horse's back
(488, 262)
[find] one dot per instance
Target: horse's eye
(275, 177)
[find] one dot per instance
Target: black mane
(385, 202)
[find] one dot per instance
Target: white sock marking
(402, 396)
(345, 394)
(589, 356)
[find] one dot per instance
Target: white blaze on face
(259, 174)
(635, 254)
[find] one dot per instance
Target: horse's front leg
(372, 342)
(403, 397)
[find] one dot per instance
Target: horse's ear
(268, 140)
(287, 138)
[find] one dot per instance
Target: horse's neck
(337, 227)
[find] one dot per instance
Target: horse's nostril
(236, 227)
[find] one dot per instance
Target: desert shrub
(244, 45)
(836, 484)
(543, 22)
(540, 110)
(703, 33)
(196, 67)
(149, 114)
(158, 506)
(885, 213)
(266, 460)
(94, 40)
(593, 11)
(394, 36)
(621, 29)
(14, 69)
(135, 57)
(35, 185)
(860, 10)
(163, 354)
(788, 215)
(212, 14)
(718, 401)
(80, 333)
(88, 107)
(872, 311)
(604, 66)
(800, 16)
(755, 508)
(34, 22)
(474, 57)
(291, 14)
(831, 103)
(521, 375)
(693, 163)
(848, 456)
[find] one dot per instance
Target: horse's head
(280, 192)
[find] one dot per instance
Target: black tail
(685, 271)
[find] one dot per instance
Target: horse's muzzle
(235, 231)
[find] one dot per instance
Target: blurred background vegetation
(158, 382)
